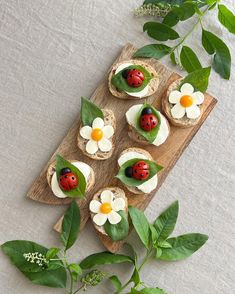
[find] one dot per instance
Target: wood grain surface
(166, 155)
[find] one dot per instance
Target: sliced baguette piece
(153, 84)
(109, 119)
(52, 169)
(111, 245)
(183, 122)
(135, 190)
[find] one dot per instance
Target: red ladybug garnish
(68, 181)
(141, 170)
(135, 78)
(148, 120)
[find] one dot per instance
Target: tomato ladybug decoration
(134, 77)
(68, 180)
(148, 120)
(139, 171)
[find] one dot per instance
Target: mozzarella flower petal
(98, 136)
(186, 102)
(107, 208)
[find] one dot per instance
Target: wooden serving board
(166, 155)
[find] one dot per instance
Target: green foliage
(160, 31)
(156, 51)
(89, 111)
(227, 18)
(118, 231)
(116, 283)
(198, 79)
(189, 59)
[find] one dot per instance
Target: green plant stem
(79, 289)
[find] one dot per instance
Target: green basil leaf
(182, 13)
(158, 252)
(116, 283)
(183, 246)
(160, 31)
(154, 234)
(149, 136)
(164, 244)
(104, 258)
(140, 224)
(198, 79)
(173, 58)
(89, 111)
(133, 252)
(222, 57)
(81, 188)
(156, 51)
(121, 83)
(148, 291)
(74, 267)
(171, 19)
(37, 274)
(189, 59)
(70, 225)
(119, 231)
(132, 182)
(165, 223)
(227, 18)
(52, 252)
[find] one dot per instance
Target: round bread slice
(183, 122)
(52, 169)
(135, 190)
(153, 84)
(118, 193)
(109, 119)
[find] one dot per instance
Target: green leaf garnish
(43, 273)
(183, 246)
(189, 59)
(81, 188)
(119, 231)
(132, 182)
(156, 51)
(116, 283)
(227, 18)
(198, 79)
(160, 31)
(222, 57)
(151, 135)
(89, 111)
(70, 225)
(120, 82)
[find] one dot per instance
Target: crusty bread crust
(183, 122)
(51, 170)
(109, 119)
(118, 193)
(135, 190)
(153, 84)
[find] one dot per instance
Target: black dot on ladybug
(138, 73)
(135, 170)
(151, 118)
(139, 165)
(147, 124)
(142, 175)
(133, 84)
(138, 83)
(154, 123)
(66, 176)
(146, 110)
(73, 178)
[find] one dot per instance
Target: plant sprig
(181, 54)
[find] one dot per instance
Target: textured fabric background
(51, 53)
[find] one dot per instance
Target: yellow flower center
(186, 101)
(106, 208)
(97, 134)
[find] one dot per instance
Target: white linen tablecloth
(51, 53)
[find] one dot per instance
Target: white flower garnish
(98, 136)
(186, 102)
(107, 208)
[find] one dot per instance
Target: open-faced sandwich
(138, 171)
(109, 213)
(183, 102)
(70, 178)
(96, 132)
(147, 125)
(133, 79)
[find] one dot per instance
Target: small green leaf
(165, 223)
(158, 252)
(222, 57)
(148, 291)
(198, 79)
(81, 188)
(89, 111)
(154, 234)
(189, 59)
(227, 18)
(160, 31)
(183, 246)
(171, 19)
(119, 231)
(132, 182)
(156, 51)
(164, 244)
(116, 283)
(173, 58)
(104, 258)
(74, 267)
(121, 83)
(38, 274)
(52, 252)
(140, 224)
(70, 225)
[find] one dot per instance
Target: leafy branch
(180, 54)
